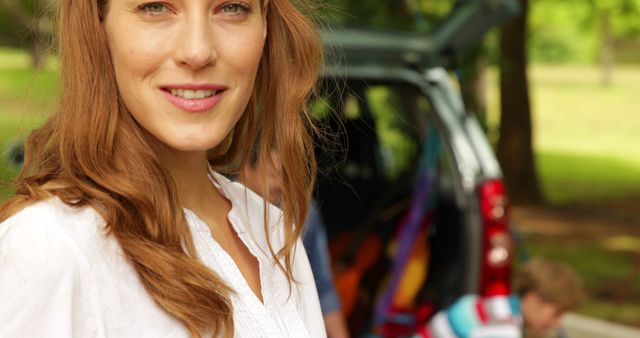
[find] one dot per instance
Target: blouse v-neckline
(276, 315)
(230, 266)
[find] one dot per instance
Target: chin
(191, 145)
(194, 147)
(188, 143)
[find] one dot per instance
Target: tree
(515, 145)
(615, 19)
(582, 30)
(409, 15)
(34, 19)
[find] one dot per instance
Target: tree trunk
(606, 48)
(515, 145)
(39, 52)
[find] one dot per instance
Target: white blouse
(61, 276)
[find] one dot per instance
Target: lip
(194, 105)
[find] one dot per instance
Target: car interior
(370, 156)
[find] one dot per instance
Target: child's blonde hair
(553, 282)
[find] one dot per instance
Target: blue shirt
(316, 245)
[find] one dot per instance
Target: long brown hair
(91, 152)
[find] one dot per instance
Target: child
(544, 291)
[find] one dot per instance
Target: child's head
(266, 181)
(547, 290)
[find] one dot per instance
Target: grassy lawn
(586, 135)
(588, 150)
(569, 177)
(26, 97)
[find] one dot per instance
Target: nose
(196, 49)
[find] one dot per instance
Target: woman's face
(185, 69)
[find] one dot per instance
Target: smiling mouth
(189, 94)
(194, 100)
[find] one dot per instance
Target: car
(409, 188)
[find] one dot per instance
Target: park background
(583, 68)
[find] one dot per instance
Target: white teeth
(192, 94)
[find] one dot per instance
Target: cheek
(138, 58)
(137, 50)
(549, 317)
(244, 54)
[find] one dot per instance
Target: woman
(121, 226)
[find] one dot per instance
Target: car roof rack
(464, 27)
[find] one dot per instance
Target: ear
(265, 9)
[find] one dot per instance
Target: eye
(235, 8)
(153, 8)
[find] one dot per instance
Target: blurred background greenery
(584, 83)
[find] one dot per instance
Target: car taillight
(497, 246)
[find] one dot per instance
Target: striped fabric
(476, 317)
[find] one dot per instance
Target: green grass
(569, 177)
(587, 145)
(585, 135)
(11, 58)
(26, 97)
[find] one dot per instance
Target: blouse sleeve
(44, 288)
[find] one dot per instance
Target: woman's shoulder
(49, 233)
(53, 214)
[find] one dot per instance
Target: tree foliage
(27, 24)
(571, 30)
(412, 15)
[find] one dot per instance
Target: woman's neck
(189, 170)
